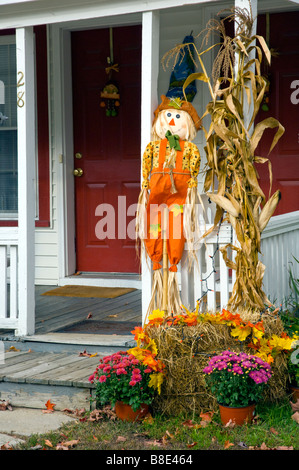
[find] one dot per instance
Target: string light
(205, 280)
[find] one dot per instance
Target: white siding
(46, 239)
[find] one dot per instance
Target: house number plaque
(20, 94)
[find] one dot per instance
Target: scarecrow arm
(147, 165)
(194, 164)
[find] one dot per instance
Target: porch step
(70, 343)
(29, 379)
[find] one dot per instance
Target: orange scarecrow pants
(161, 195)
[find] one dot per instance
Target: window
(8, 129)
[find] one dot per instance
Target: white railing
(208, 282)
(279, 247)
(9, 278)
(280, 244)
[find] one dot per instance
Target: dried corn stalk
(231, 142)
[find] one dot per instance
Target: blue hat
(181, 71)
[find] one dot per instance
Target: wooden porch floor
(39, 367)
(99, 315)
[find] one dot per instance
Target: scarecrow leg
(165, 262)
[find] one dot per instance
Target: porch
(71, 334)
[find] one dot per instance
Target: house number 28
(20, 94)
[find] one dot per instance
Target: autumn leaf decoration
(177, 209)
(155, 229)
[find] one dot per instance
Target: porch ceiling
(21, 13)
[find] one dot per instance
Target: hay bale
(185, 351)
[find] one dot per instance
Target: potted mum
(126, 383)
(237, 381)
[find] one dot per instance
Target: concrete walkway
(23, 422)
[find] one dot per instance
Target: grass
(272, 428)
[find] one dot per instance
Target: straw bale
(185, 351)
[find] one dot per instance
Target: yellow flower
(156, 381)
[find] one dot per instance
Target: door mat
(101, 327)
(89, 291)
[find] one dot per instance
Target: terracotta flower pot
(295, 392)
(126, 413)
(237, 415)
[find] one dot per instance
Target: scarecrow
(167, 204)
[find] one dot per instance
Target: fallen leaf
(89, 315)
(95, 438)
(61, 447)
(4, 405)
(207, 416)
(13, 348)
(76, 413)
(6, 446)
(113, 316)
(48, 443)
(295, 406)
(204, 424)
(148, 419)
(191, 445)
(84, 353)
(274, 431)
(49, 405)
(153, 443)
(168, 435)
(37, 447)
(295, 417)
(242, 444)
(189, 423)
(264, 447)
(284, 448)
(70, 443)
(121, 439)
(230, 424)
(228, 444)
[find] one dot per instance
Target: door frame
(59, 37)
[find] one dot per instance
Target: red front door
(109, 147)
(283, 104)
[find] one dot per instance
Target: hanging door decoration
(110, 97)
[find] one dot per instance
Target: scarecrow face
(174, 120)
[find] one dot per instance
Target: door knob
(78, 172)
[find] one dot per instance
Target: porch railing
(210, 282)
(9, 278)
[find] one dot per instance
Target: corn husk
(231, 142)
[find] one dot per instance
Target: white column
(26, 177)
(149, 102)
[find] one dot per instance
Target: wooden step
(29, 379)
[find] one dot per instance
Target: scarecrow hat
(181, 71)
(177, 103)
